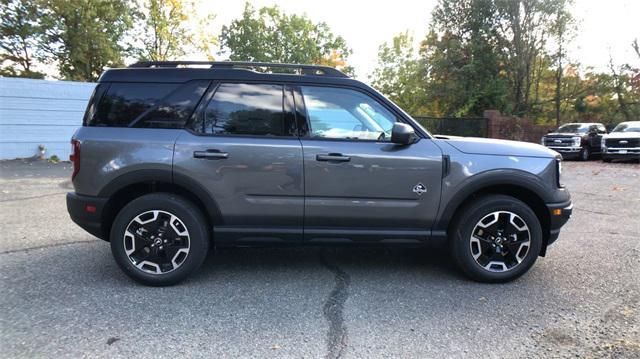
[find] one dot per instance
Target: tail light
(75, 157)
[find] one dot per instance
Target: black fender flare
(488, 179)
(133, 177)
(166, 176)
(207, 199)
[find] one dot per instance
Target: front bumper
(86, 212)
(621, 153)
(559, 214)
(566, 151)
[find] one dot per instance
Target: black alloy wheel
(159, 239)
(495, 238)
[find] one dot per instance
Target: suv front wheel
(496, 238)
(159, 239)
(585, 153)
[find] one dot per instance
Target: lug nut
(160, 247)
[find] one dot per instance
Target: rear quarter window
(147, 105)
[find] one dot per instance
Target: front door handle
(210, 155)
(333, 157)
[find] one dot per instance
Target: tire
(167, 238)
(585, 154)
(607, 160)
(518, 254)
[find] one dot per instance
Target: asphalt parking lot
(63, 296)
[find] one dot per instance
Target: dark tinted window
(123, 102)
(92, 107)
(175, 109)
(246, 109)
(572, 128)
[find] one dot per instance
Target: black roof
(179, 71)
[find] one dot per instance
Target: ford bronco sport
(173, 159)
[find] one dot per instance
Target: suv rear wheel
(159, 239)
(496, 238)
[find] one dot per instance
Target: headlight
(542, 141)
(559, 172)
(603, 144)
(576, 141)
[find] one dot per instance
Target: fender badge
(419, 189)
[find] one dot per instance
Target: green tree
(399, 74)
(19, 33)
(461, 55)
(85, 36)
(167, 34)
(269, 35)
(508, 55)
(563, 30)
(522, 29)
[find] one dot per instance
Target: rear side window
(175, 109)
(149, 105)
(246, 109)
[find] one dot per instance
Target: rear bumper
(559, 214)
(81, 210)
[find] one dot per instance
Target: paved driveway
(62, 294)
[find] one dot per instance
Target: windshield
(627, 127)
(573, 128)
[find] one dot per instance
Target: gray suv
(173, 159)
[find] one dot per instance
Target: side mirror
(402, 133)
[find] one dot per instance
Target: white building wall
(40, 112)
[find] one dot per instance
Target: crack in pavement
(32, 197)
(46, 246)
(590, 211)
(333, 310)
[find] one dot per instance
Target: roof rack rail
(314, 70)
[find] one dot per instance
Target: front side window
(246, 109)
(346, 114)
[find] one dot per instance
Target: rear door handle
(333, 157)
(210, 155)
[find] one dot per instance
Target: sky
(605, 26)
